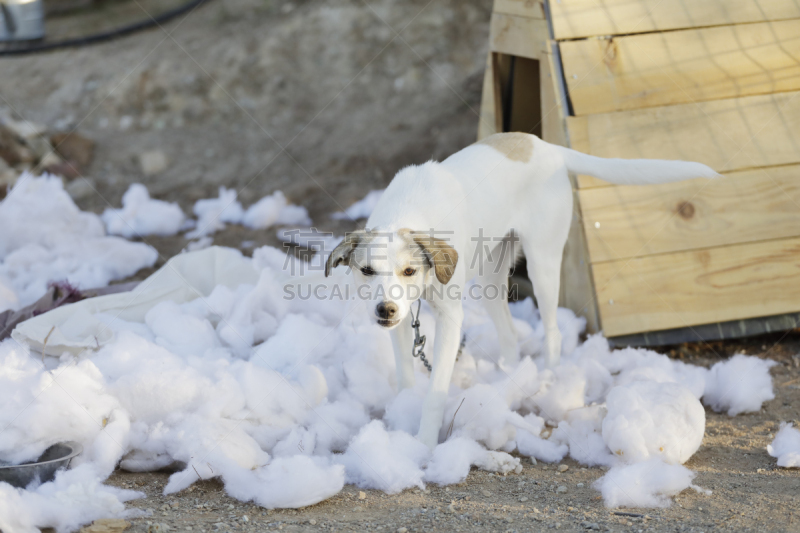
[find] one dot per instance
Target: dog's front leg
(449, 316)
(402, 341)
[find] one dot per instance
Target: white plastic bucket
(21, 20)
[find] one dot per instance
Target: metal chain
(419, 341)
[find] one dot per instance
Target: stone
(107, 525)
(523, 499)
(157, 528)
(486, 493)
(561, 489)
(153, 162)
(590, 525)
(563, 468)
(362, 495)
(12, 150)
(80, 188)
(74, 147)
(580, 485)
(402, 530)
(533, 460)
(312, 522)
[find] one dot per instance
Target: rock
(157, 528)
(533, 460)
(402, 530)
(590, 525)
(74, 147)
(65, 169)
(563, 468)
(362, 495)
(486, 493)
(153, 162)
(561, 489)
(580, 485)
(12, 150)
(312, 522)
(107, 525)
(523, 499)
(80, 188)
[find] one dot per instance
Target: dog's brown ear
(441, 255)
(341, 254)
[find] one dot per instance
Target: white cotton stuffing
(647, 484)
(213, 213)
(541, 449)
(141, 215)
(786, 446)
(740, 384)
(451, 461)
(75, 497)
(651, 419)
(46, 238)
(285, 399)
(581, 432)
(274, 209)
(362, 208)
(386, 460)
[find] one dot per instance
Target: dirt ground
(326, 100)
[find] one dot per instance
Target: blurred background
(322, 99)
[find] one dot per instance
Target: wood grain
(517, 36)
(727, 135)
(745, 206)
(699, 287)
(583, 18)
(487, 123)
(676, 67)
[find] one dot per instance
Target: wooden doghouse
(715, 81)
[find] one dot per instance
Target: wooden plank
(577, 287)
(487, 121)
(584, 18)
(698, 287)
(727, 135)
(520, 8)
(745, 206)
(517, 36)
(655, 69)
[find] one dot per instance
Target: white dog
(440, 225)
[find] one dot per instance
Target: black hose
(106, 35)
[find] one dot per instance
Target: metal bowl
(43, 469)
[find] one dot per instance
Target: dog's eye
(367, 271)
(409, 272)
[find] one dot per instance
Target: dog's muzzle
(387, 314)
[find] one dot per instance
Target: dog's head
(392, 269)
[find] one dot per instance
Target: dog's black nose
(386, 310)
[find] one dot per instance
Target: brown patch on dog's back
(516, 146)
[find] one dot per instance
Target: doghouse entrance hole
(519, 102)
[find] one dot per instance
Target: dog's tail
(633, 171)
